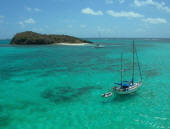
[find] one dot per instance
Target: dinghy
(108, 94)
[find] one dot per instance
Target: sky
(86, 18)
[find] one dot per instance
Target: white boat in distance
(99, 46)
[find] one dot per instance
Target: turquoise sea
(60, 87)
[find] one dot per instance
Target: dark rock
(32, 38)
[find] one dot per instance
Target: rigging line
(133, 51)
(140, 72)
(121, 68)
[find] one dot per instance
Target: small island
(32, 38)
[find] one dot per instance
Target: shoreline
(72, 44)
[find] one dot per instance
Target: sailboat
(98, 45)
(127, 87)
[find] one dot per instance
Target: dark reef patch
(65, 94)
(109, 60)
(19, 105)
(5, 120)
(152, 72)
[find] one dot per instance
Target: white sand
(72, 44)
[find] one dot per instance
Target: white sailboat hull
(130, 89)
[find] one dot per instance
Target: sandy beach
(72, 44)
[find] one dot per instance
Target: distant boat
(99, 46)
(126, 87)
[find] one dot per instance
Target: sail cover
(125, 84)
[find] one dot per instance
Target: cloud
(28, 9)
(70, 26)
(83, 26)
(124, 14)
(121, 1)
(27, 21)
(91, 12)
(37, 9)
(158, 5)
(30, 21)
(1, 18)
(137, 15)
(21, 23)
(32, 9)
(111, 1)
(155, 20)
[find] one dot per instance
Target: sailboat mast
(133, 72)
(121, 75)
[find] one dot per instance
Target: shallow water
(59, 87)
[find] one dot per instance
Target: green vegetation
(32, 38)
